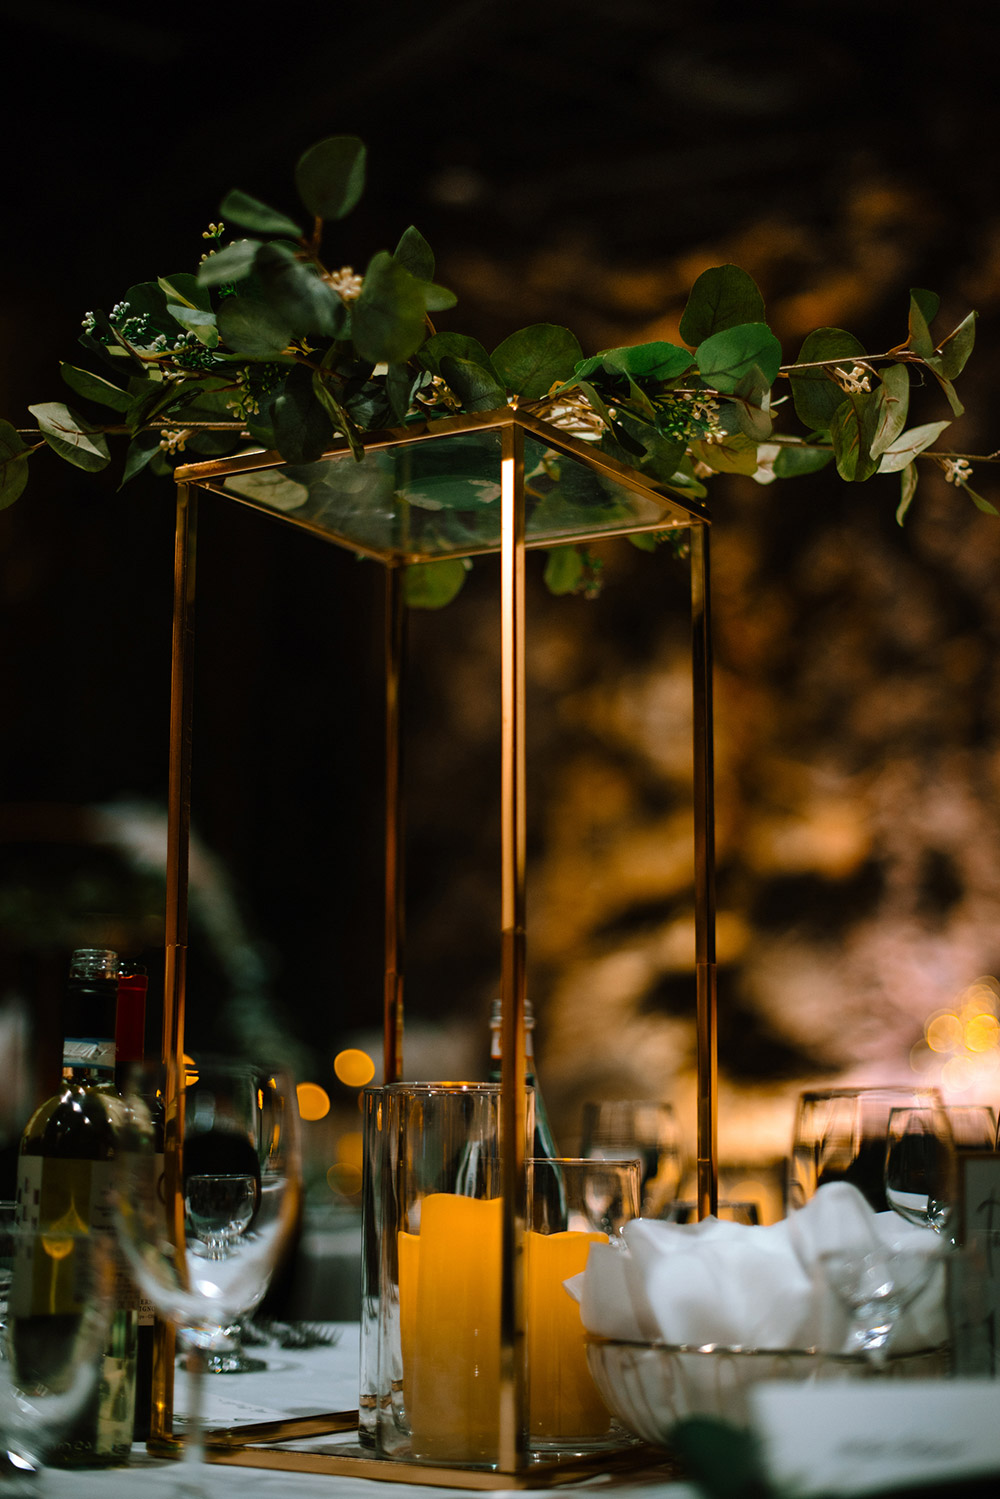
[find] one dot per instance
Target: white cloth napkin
(750, 1287)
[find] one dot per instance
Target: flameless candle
(562, 1398)
(452, 1384)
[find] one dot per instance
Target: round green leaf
(67, 434)
(252, 327)
(330, 176)
(534, 359)
(13, 464)
(727, 358)
(475, 387)
(250, 213)
(455, 346)
(652, 361)
(387, 320)
(431, 585)
(815, 392)
(564, 570)
(232, 263)
(722, 297)
(415, 254)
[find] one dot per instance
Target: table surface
(295, 1383)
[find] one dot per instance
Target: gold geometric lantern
(497, 482)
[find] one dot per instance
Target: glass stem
(193, 1451)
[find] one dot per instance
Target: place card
(864, 1436)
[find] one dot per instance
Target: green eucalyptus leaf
(436, 298)
(95, 388)
(147, 298)
(474, 386)
(644, 541)
(297, 292)
(792, 462)
(726, 358)
(907, 489)
(752, 405)
(250, 213)
(139, 453)
(415, 254)
(950, 393)
(302, 428)
(431, 585)
(454, 346)
(13, 464)
(330, 176)
(816, 393)
(852, 432)
(979, 502)
(399, 383)
(953, 354)
(650, 361)
(71, 437)
(534, 359)
(387, 320)
(736, 454)
(722, 297)
(201, 324)
(232, 263)
(923, 310)
(900, 453)
(894, 400)
(270, 487)
(252, 327)
(186, 289)
(338, 416)
(564, 570)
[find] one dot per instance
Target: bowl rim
(745, 1350)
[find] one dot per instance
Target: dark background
(574, 163)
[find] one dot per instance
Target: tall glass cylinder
(440, 1235)
(370, 1391)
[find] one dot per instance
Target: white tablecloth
(299, 1383)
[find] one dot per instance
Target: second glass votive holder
(572, 1204)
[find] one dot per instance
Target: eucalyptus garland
(265, 345)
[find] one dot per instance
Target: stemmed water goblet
(876, 1283)
(920, 1166)
(203, 1240)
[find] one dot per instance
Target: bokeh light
(314, 1101)
(960, 1048)
(354, 1068)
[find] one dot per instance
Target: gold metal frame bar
(176, 912)
(707, 1185)
(395, 883)
(512, 956)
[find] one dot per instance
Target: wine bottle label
(87, 1052)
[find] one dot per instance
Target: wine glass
(875, 1284)
(619, 1129)
(203, 1238)
(852, 1148)
(57, 1313)
(920, 1166)
(973, 1126)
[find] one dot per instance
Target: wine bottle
(130, 1048)
(543, 1144)
(64, 1181)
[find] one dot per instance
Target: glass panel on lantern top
(435, 491)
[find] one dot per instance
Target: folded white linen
(749, 1286)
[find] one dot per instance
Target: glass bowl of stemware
(651, 1386)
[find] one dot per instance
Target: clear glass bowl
(652, 1386)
